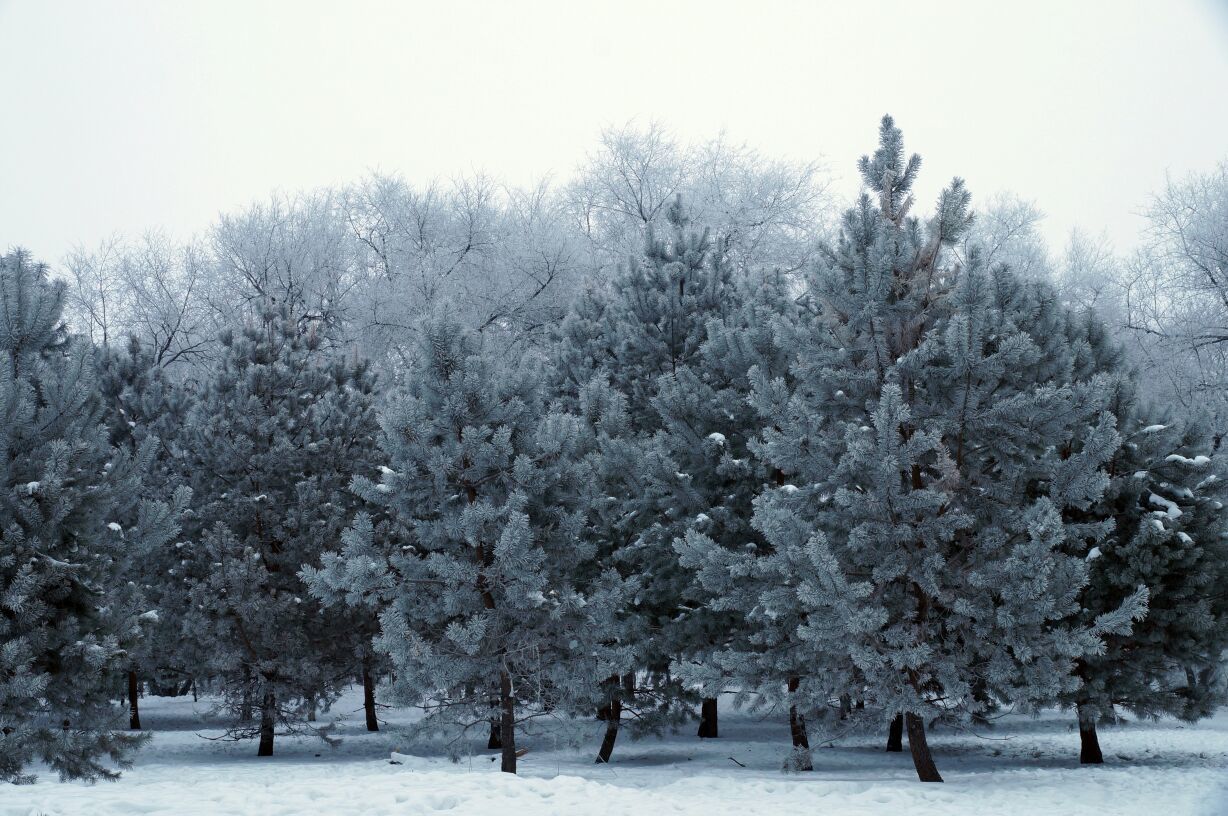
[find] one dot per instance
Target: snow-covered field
(1023, 766)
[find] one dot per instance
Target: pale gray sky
(123, 115)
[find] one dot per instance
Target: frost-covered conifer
(1165, 504)
(143, 406)
(494, 604)
(67, 623)
(650, 319)
(917, 555)
(271, 446)
(707, 425)
(680, 455)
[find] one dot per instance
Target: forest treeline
(674, 433)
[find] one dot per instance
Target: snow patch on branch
(1197, 461)
(1170, 507)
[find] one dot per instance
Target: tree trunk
(1089, 743)
(846, 706)
(797, 729)
(266, 725)
(507, 725)
(368, 695)
(922, 759)
(895, 735)
(194, 690)
(311, 710)
(612, 714)
(134, 711)
(708, 719)
(494, 741)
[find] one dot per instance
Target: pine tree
(650, 320)
(271, 446)
(642, 336)
(144, 407)
(931, 439)
(67, 623)
(1165, 505)
(491, 594)
(708, 424)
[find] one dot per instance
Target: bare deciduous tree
(151, 289)
(1176, 292)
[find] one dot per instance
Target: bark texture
(507, 724)
(797, 729)
(922, 759)
(368, 696)
(708, 719)
(134, 710)
(1089, 742)
(612, 715)
(267, 709)
(895, 735)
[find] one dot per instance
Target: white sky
(119, 116)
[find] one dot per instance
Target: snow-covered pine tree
(650, 318)
(636, 483)
(931, 440)
(494, 603)
(641, 335)
(67, 623)
(271, 446)
(708, 424)
(1165, 502)
(143, 406)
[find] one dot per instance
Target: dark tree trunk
(267, 708)
(895, 735)
(311, 710)
(194, 690)
(922, 759)
(494, 741)
(134, 710)
(368, 695)
(846, 706)
(507, 725)
(797, 729)
(612, 714)
(708, 719)
(1089, 743)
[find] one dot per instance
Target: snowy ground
(1022, 767)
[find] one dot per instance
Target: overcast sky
(121, 116)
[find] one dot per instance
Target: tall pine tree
(67, 624)
(1165, 507)
(143, 406)
(917, 554)
(641, 337)
(493, 602)
(271, 446)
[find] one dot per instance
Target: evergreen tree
(271, 446)
(642, 336)
(932, 439)
(493, 600)
(1165, 504)
(707, 425)
(144, 407)
(67, 624)
(649, 320)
